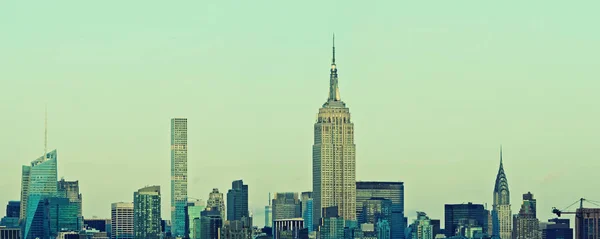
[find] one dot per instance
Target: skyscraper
(332, 225)
(393, 191)
(454, 213)
(237, 201)
(269, 214)
(210, 223)
(194, 210)
(61, 214)
(215, 201)
(557, 229)
(307, 210)
(42, 184)
(286, 206)
(146, 213)
(501, 212)
(70, 190)
(122, 220)
(421, 227)
(526, 224)
(178, 175)
(334, 160)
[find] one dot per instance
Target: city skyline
(450, 109)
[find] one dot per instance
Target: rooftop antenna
(45, 130)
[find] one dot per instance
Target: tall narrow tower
(334, 161)
(501, 213)
(178, 175)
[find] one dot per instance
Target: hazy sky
(433, 87)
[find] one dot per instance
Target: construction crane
(578, 213)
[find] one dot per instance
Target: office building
(210, 223)
(589, 222)
(193, 212)
(332, 224)
(334, 159)
(269, 214)
(178, 176)
(215, 200)
(502, 223)
(102, 225)
(421, 227)
(454, 213)
(557, 229)
(146, 213)
(287, 228)
(286, 206)
(376, 210)
(307, 210)
(41, 180)
(393, 191)
(383, 229)
(237, 201)
(13, 209)
(62, 215)
(70, 190)
(122, 220)
(526, 225)
(237, 229)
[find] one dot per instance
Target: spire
(334, 92)
(333, 59)
(500, 155)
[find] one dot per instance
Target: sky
(434, 89)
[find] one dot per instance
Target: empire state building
(334, 159)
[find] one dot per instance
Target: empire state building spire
(334, 91)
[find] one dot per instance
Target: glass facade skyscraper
(41, 179)
(194, 210)
(237, 201)
(455, 213)
(146, 213)
(334, 159)
(393, 191)
(178, 176)
(62, 215)
(307, 210)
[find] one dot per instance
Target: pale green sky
(433, 87)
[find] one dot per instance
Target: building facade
(332, 225)
(421, 227)
(146, 213)
(290, 226)
(41, 179)
(10, 233)
(588, 226)
(526, 224)
(178, 176)
(502, 223)
(122, 220)
(237, 201)
(215, 200)
(237, 229)
(334, 159)
(307, 210)
(557, 229)
(286, 206)
(393, 191)
(454, 213)
(211, 223)
(193, 212)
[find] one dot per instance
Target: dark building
(436, 226)
(98, 224)
(393, 191)
(237, 201)
(455, 213)
(558, 229)
(238, 229)
(10, 233)
(526, 225)
(210, 223)
(13, 208)
(589, 222)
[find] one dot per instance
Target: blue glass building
(393, 191)
(42, 184)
